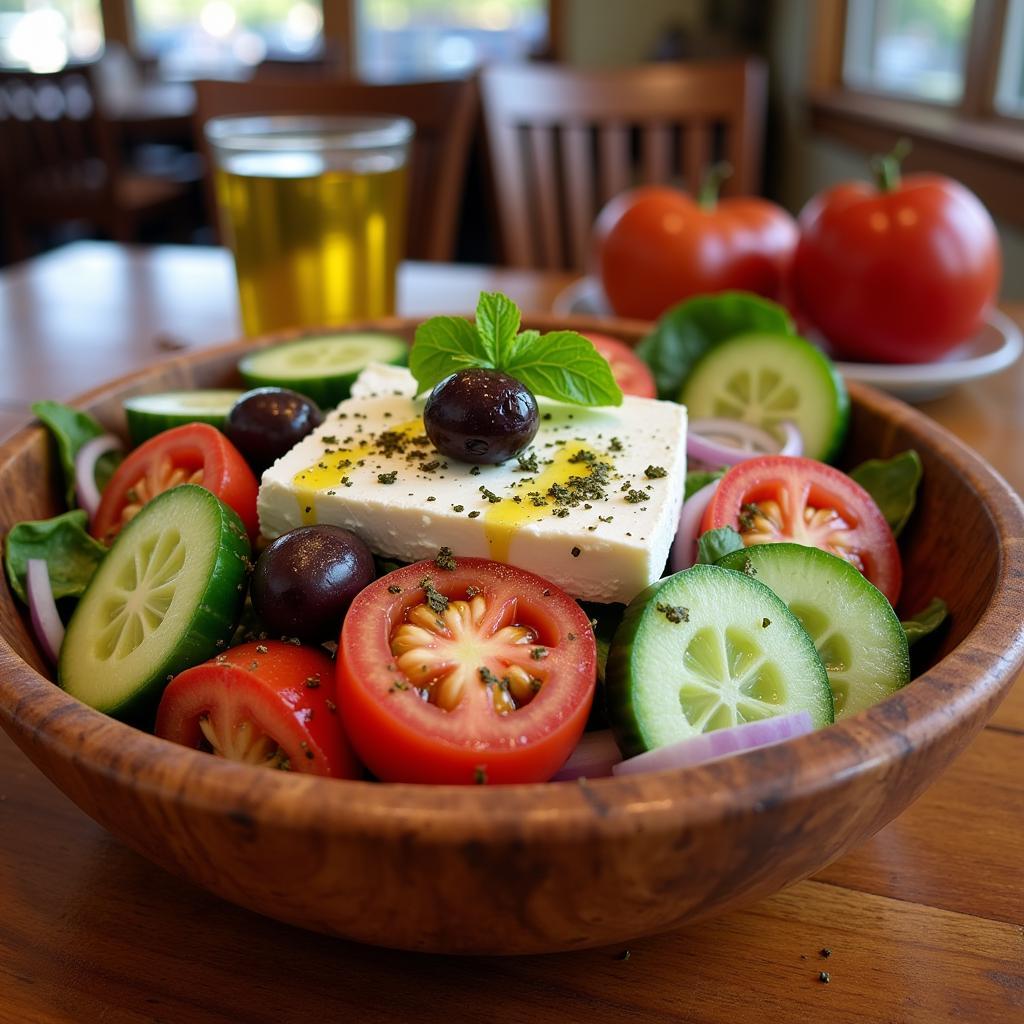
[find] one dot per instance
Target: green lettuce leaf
(71, 429)
(688, 330)
(605, 619)
(926, 621)
(71, 554)
(715, 544)
(893, 484)
(697, 479)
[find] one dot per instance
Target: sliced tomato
(195, 453)
(270, 703)
(631, 373)
(786, 498)
(481, 673)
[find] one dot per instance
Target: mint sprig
(562, 365)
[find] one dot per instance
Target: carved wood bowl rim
(966, 685)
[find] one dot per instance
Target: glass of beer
(314, 209)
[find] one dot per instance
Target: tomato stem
(707, 196)
(887, 169)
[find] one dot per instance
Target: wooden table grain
(923, 923)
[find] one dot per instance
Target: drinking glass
(314, 210)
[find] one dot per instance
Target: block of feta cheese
(592, 505)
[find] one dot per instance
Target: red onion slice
(593, 758)
(86, 491)
(684, 548)
(705, 441)
(794, 443)
(46, 622)
(710, 746)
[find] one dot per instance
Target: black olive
(305, 580)
(480, 416)
(266, 422)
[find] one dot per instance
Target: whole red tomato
(899, 272)
(656, 246)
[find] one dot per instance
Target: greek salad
(499, 556)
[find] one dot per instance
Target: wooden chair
(60, 161)
(443, 112)
(561, 142)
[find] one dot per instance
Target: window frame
(1014, 19)
(866, 88)
(970, 140)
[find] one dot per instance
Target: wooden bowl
(526, 869)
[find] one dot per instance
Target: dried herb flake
(674, 612)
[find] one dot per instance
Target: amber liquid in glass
(312, 248)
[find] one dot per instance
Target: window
(44, 35)
(408, 39)
(909, 48)
(1010, 89)
(192, 38)
(948, 75)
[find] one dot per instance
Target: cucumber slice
(706, 649)
(167, 596)
(858, 636)
(321, 368)
(148, 415)
(767, 379)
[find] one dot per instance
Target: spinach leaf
(71, 429)
(715, 544)
(71, 554)
(926, 621)
(893, 485)
(688, 330)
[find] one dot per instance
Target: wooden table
(925, 923)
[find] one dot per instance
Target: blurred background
(845, 79)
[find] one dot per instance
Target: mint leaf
(925, 621)
(715, 544)
(562, 365)
(71, 555)
(444, 345)
(688, 330)
(893, 485)
(497, 323)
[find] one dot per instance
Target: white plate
(996, 346)
(584, 295)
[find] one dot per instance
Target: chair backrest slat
(545, 192)
(697, 154)
(657, 152)
(577, 140)
(49, 121)
(615, 159)
(610, 130)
